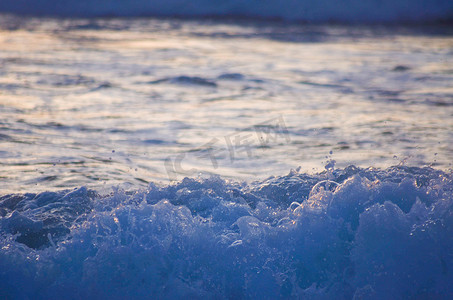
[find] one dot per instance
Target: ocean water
(357, 11)
(345, 234)
(149, 158)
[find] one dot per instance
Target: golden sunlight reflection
(88, 106)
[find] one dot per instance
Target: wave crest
(339, 234)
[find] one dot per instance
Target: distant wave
(343, 234)
(292, 10)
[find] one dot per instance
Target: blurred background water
(108, 101)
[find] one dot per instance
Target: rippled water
(103, 102)
(97, 116)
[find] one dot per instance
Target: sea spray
(348, 233)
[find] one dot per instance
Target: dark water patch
(252, 88)
(99, 159)
(46, 179)
(423, 78)
(53, 125)
(319, 145)
(118, 130)
(231, 76)
(257, 80)
(5, 137)
(342, 146)
(221, 98)
(141, 180)
(178, 125)
(312, 131)
(14, 87)
(401, 68)
(103, 85)
(186, 80)
(155, 142)
(396, 100)
(320, 84)
(342, 88)
(365, 142)
(387, 93)
(64, 80)
(439, 102)
(23, 61)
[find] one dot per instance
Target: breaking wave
(343, 234)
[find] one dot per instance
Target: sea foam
(343, 234)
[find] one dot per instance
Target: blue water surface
(290, 10)
(349, 233)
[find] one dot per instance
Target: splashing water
(362, 233)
